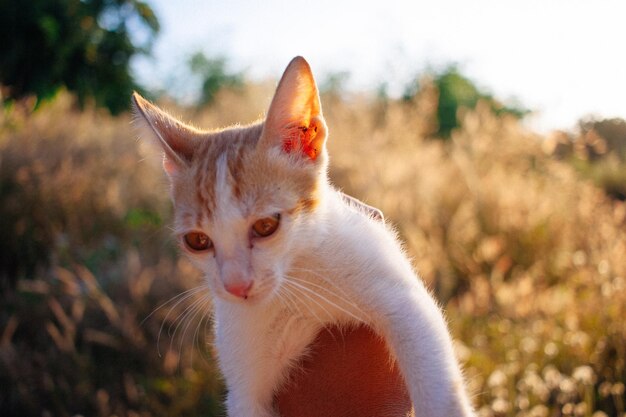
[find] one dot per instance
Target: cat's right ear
(294, 120)
(176, 138)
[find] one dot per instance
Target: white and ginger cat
(285, 254)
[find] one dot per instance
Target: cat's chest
(278, 335)
(292, 336)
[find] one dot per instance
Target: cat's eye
(197, 241)
(266, 226)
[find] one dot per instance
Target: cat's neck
(350, 243)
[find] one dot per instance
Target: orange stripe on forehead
(231, 147)
(235, 168)
(199, 219)
(203, 192)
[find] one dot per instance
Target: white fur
(360, 273)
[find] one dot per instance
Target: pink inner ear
(169, 166)
(303, 139)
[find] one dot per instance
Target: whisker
(323, 278)
(346, 296)
(283, 295)
(322, 323)
(300, 287)
(291, 294)
(189, 294)
(182, 318)
(201, 308)
(177, 321)
(294, 291)
(359, 319)
(206, 324)
(196, 337)
(318, 268)
(345, 300)
(171, 300)
(315, 301)
(280, 296)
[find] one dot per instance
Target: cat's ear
(176, 138)
(294, 121)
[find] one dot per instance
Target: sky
(564, 59)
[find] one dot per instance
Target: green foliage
(456, 91)
(334, 84)
(599, 153)
(83, 45)
(214, 75)
(607, 173)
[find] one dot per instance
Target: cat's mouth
(256, 291)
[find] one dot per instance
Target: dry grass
(527, 257)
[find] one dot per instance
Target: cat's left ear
(294, 121)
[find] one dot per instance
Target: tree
(82, 45)
(457, 91)
(213, 75)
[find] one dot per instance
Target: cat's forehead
(220, 163)
(230, 177)
(232, 141)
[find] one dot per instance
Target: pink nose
(239, 289)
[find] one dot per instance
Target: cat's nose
(235, 273)
(239, 289)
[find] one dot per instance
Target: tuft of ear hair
(176, 138)
(294, 120)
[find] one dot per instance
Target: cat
(285, 254)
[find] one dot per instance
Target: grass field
(528, 257)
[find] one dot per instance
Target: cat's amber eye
(266, 226)
(197, 241)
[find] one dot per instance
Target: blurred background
(494, 139)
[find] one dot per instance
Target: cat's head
(245, 198)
